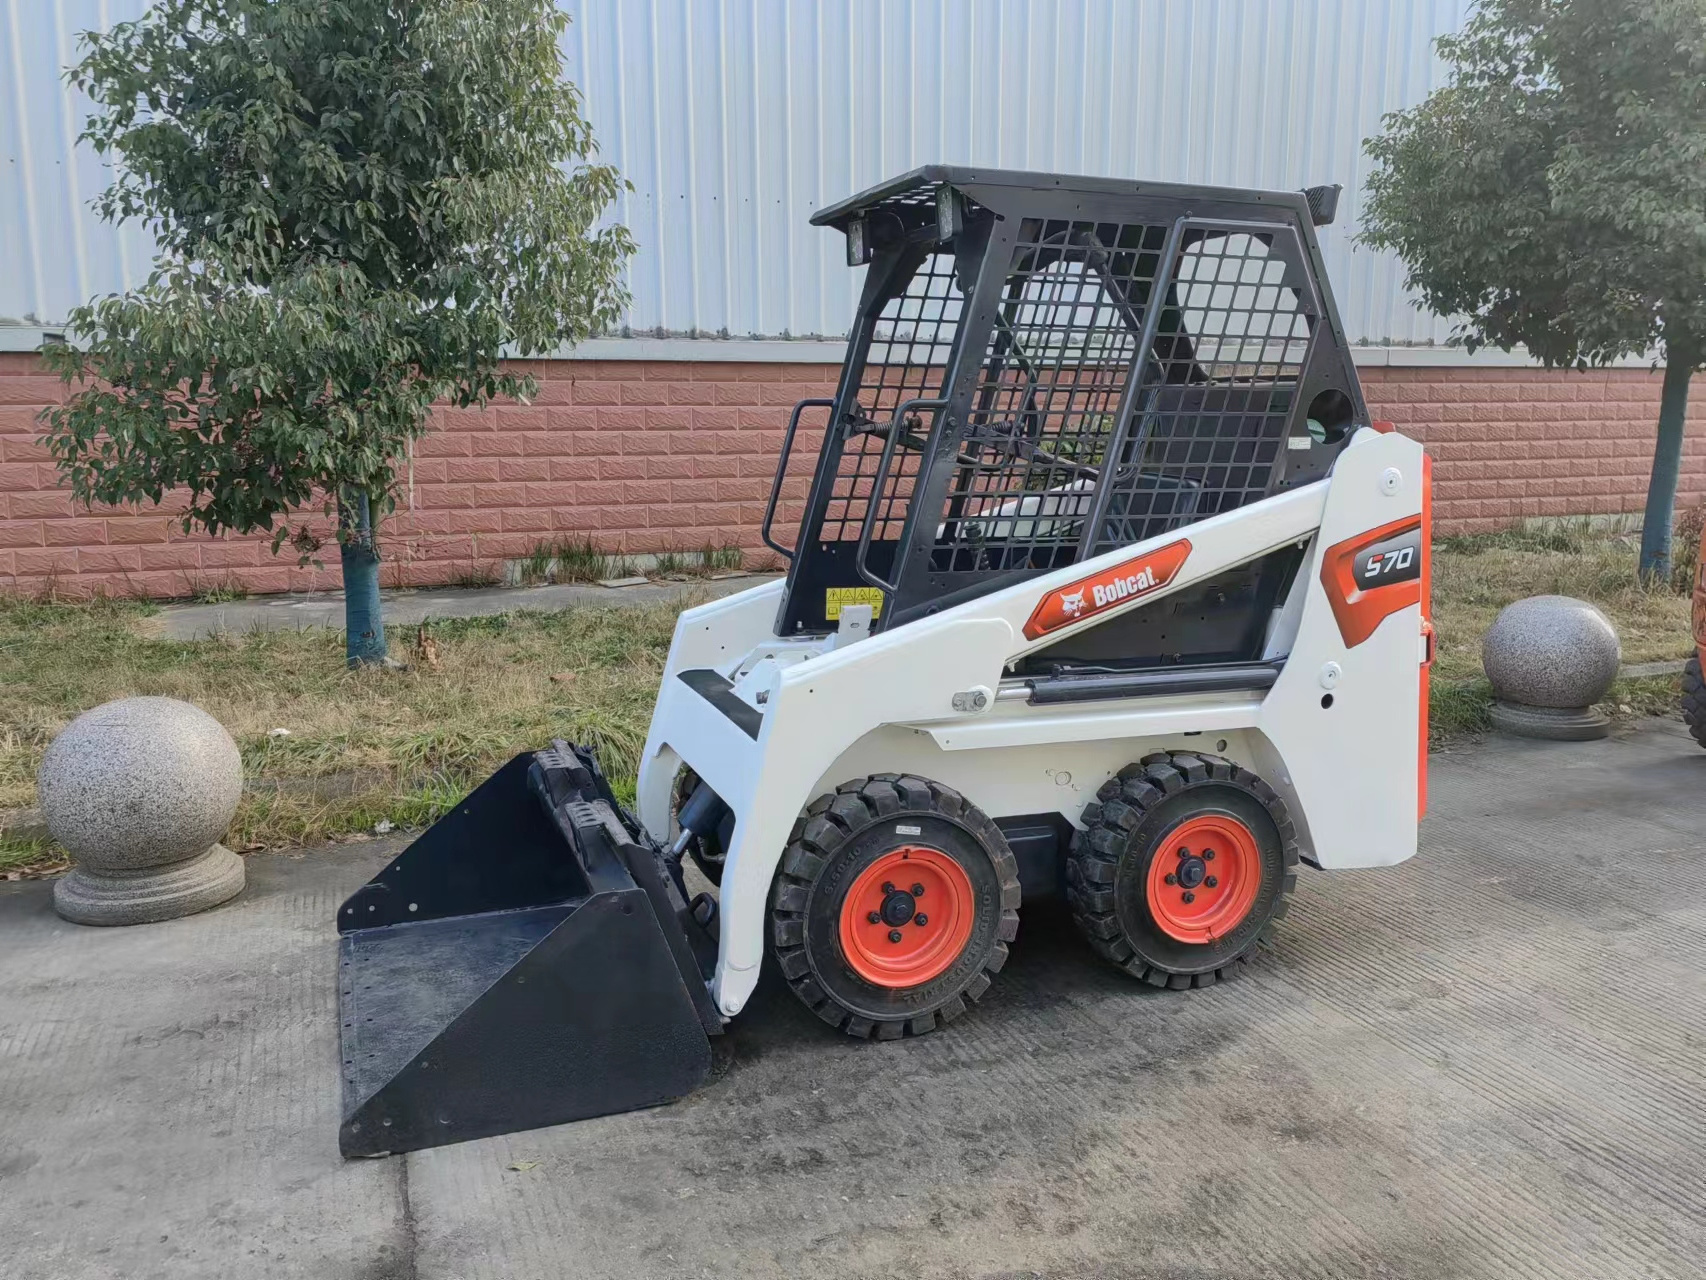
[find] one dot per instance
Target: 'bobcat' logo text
(1138, 576)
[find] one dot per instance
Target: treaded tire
(840, 835)
(1694, 700)
(1129, 824)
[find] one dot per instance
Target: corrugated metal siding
(735, 119)
(54, 253)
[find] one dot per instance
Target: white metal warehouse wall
(735, 119)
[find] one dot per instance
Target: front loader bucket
(527, 961)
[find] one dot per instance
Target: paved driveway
(1489, 1062)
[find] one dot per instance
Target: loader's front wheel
(894, 906)
(1184, 861)
(1694, 700)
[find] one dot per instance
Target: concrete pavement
(1484, 1063)
(408, 608)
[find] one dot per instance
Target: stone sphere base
(1559, 724)
(148, 894)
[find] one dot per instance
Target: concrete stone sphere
(1551, 651)
(139, 783)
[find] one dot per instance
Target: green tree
(360, 206)
(1553, 195)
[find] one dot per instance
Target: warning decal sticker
(835, 597)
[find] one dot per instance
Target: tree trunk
(364, 622)
(1667, 463)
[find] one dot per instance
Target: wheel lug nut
(894, 935)
(1189, 896)
(918, 891)
(888, 886)
(1184, 852)
(921, 919)
(875, 917)
(1208, 855)
(1212, 882)
(1172, 879)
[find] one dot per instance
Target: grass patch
(363, 746)
(366, 747)
(570, 560)
(22, 859)
(702, 563)
(224, 591)
(579, 560)
(474, 576)
(1475, 577)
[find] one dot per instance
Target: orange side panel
(1427, 593)
(1359, 611)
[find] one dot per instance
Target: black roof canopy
(912, 196)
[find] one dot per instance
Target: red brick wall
(655, 456)
(1508, 443)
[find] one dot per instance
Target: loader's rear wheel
(1184, 861)
(894, 906)
(1694, 700)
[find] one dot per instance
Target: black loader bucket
(530, 960)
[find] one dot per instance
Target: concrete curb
(1639, 670)
(410, 608)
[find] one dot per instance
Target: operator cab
(1043, 369)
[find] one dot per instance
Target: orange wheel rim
(907, 917)
(1204, 877)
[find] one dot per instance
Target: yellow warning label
(835, 597)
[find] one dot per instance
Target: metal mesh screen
(1219, 386)
(908, 356)
(1043, 413)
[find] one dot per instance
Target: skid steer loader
(1104, 584)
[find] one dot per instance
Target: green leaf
(359, 204)
(1553, 193)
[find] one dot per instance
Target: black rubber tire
(834, 840)
(1694, 700)
(1108, 868)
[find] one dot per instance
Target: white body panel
(1349, 774)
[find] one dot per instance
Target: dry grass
(1477, 576)
(580, 560)
(362, 747)
(366, 747)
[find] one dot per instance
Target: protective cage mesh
(1043, 413)
(907, 359)
(1219, 385)
(1209, 413)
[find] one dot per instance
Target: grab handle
(901, 410)
(781, 470)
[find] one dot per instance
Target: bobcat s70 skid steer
(1104, 584)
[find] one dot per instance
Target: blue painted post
(364, 621)
(1667, 463)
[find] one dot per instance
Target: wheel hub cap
(898, 907)
(1204, 878)
(906, 917)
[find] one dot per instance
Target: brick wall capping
(28, 338)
